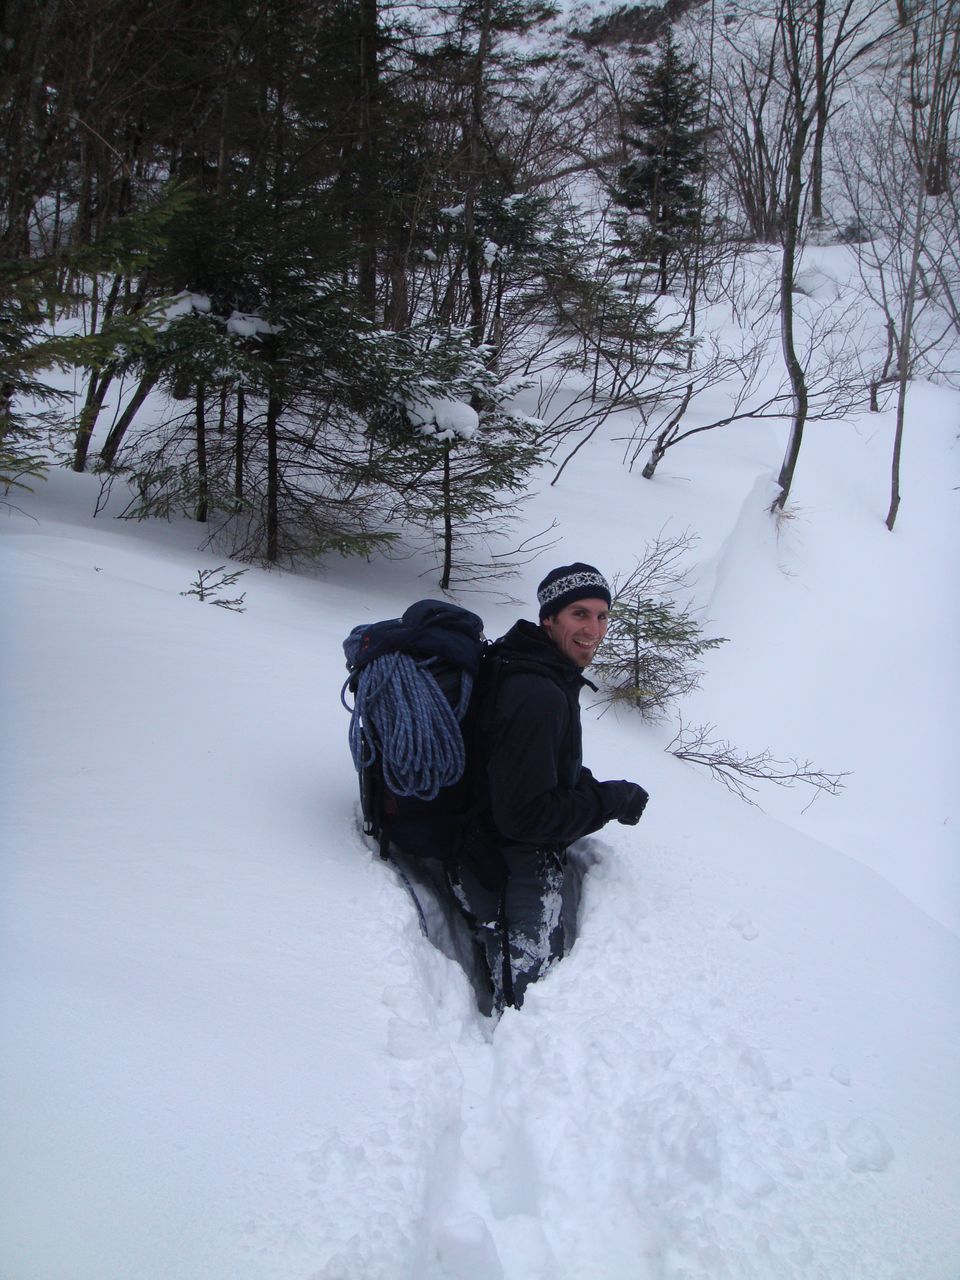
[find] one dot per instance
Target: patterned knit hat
(569, 583)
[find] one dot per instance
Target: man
(512, 876)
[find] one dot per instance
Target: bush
(651, 654)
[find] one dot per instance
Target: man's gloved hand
(626, 801)
(634, 806)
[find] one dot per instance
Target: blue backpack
(413, 680)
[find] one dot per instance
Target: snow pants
(525, 924)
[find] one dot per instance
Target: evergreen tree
(661, 182)
(652, 652)
(34, 293)
(349, 164)
(269, 374)
(445, 442)
(25, 292)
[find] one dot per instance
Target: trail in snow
(229, 1054)
(641, 1117)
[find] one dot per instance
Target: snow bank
(230, 1054)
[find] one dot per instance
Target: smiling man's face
(578, 629)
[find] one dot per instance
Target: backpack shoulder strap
(478, 726)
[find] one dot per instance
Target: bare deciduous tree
(790, 65)
(895, 163)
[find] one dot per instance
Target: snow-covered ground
(228, 1053)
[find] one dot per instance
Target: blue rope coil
(401, 714)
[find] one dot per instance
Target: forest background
(334, 241)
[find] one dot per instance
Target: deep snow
(228, 1053)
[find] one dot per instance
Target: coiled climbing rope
(401, 714)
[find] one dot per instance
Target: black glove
(624, 801)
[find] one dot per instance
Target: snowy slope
(230, 1055)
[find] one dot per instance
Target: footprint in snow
(752, 1182)
(465, 1250)
(866, 1148)
(745, 927)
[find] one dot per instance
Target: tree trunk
(239, 447)
(897, 450)
(108, 454)
(475, 153)
(945, 51)
(398, 307)
(656, 457)
(99, 382)
(798, 382)
(667, 435)
(821, 113)
(273, 475)
(369, 153)
(447, 521)
(903, 353)
(474, 275)
(30, 34)
(884, 374)
(202, 478)
(96, 394)
(792, 213)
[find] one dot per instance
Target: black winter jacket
(540, 795)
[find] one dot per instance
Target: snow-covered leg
(533, 912)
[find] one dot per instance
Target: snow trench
(635, 1120)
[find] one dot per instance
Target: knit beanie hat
(568, 583)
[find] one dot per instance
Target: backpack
(413, 681)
